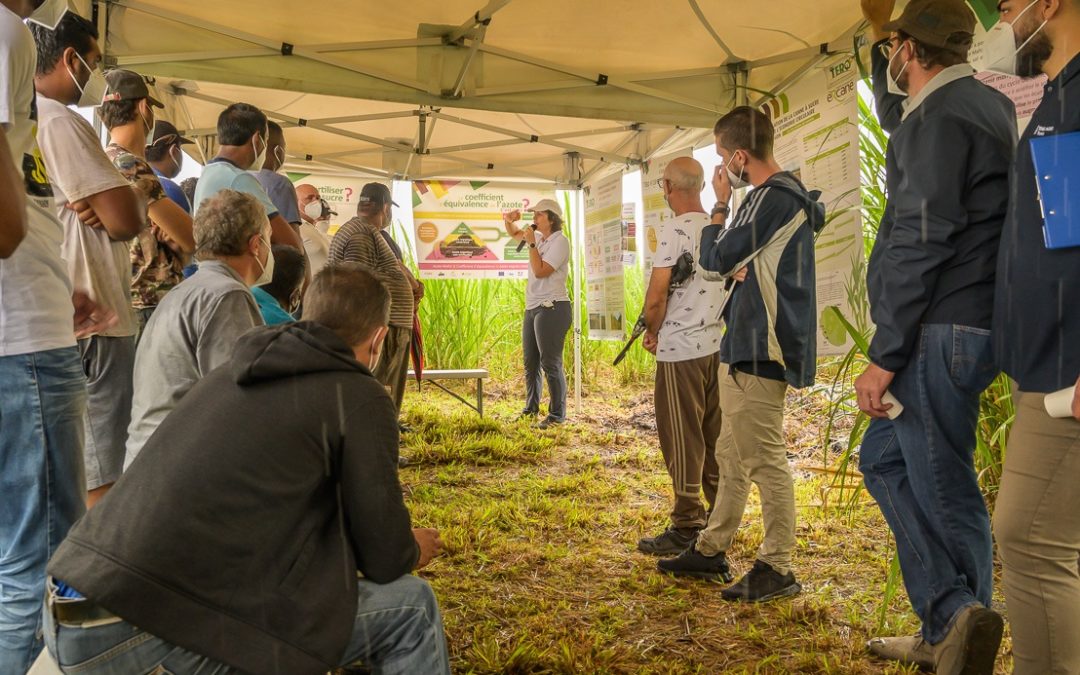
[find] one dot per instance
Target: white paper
(896, 408)
(1059, 404)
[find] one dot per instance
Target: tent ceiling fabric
(636, 75)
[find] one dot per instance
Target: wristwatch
(533, 245)
(720, 208)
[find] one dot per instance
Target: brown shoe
(971, 645)
(910, 651)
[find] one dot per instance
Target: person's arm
(12, 201)
(175, 223)
(234, 314)
(281, 232)
(727, 251)
(889, 106)
(380, 529)
(557, 255)
(656, 298)
(120, 211)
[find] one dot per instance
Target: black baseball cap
(165, 133)
(376, 193)
(125, 85)
(946, 24)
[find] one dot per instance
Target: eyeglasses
(886, 47)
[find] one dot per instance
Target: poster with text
(630, 246)
(604, 293)
(817, 139)
(342, 193)
(460, 233)
(656, 209)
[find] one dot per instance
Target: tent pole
(578, 232)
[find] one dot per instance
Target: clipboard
(1057, 173)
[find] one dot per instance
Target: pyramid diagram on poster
(461, 243)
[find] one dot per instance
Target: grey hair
(685, 176)
(226, 222)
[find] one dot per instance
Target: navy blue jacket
(772, 316)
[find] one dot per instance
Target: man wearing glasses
(931, 285)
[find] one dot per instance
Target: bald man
(313, 226)
(683, 331)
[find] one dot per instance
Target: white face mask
(373, 358)
(91, 93)
(279, 155)
(177, 157)
(260, 157)
(313, 210)
(267, 274)
(49, 14)
(999, 50)
(737, 181)
(894, 82)
(150, 130)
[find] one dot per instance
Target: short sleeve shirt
(691, 327)
(35, 291)
(221, 174)
(281, 192)
(555, 251)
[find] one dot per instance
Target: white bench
(478, 374)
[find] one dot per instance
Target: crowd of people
(200, 410)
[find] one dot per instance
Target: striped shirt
(361, 242)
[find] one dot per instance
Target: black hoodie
(239, 530)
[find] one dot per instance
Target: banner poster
(629, 246)
(342, 193)
(656, 209)
(604, 291)
(459, 228)
(817, 139)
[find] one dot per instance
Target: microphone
(521, 244)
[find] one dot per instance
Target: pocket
(972, 365)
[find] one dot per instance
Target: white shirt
(555, 251)
(35, 293)
(316, 245)
(79, 168)
(691, 327)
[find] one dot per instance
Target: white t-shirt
(316, 245)
(79, 168)
(555, 251)
(35, 293)
(691, 327)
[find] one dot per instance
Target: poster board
(342, 193)
(604, 290)
(655, 209)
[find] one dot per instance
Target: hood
(288, 350)
(815, 210)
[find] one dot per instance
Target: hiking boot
(692, 563)
(761, 584)
(549, 421)
(910, 651)
(671, 541)
(971, 645)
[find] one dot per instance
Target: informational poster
(652, 197)
(604, 294)
(629, 247)
(817, 139)
(459, 228)
(342, 193)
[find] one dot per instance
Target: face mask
(279, 155)
(267, 274)
(49, 14)
(91, 93)
(894, 82)
(1000, 51)
(150, 136)
(373, 358)
(260, 157)
(739, 181)
(313, 210)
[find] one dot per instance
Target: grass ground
(541, 573)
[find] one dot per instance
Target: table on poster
(604, 290)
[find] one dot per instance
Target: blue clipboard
(1057, 170)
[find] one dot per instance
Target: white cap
(547, 205)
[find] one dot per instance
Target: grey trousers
(109, 365)
(393, 367)
(543, 335)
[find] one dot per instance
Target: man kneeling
(234, 539)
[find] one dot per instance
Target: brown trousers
(393, 366)
(688, 422)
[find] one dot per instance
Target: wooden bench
(478, 374)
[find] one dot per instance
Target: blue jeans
(543, 335)
(919, 468)
(42, 486)
(398, 631)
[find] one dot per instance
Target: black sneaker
(691, 563)
(549, 421)
(404, 428)
(761, 584)
(527, 414)
(671, 541)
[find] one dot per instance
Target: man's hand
(650, 341)
(90, 319)
(870, 387)
(740, 276)
(430, 543)
(721, 185)
(878, 13)
(85, 212)
(1076, 400)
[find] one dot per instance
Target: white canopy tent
(555, 90)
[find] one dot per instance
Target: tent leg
(578, 232)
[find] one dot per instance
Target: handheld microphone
(521, 244)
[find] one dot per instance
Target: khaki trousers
(393, 366)
(688, 423)
(751, 450)
(1037, 525)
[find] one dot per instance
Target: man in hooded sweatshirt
(250, 512)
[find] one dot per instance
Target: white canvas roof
(457, 88)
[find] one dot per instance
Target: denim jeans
(543, 335)
(919, 467)
(42, 486)
(398, 631)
